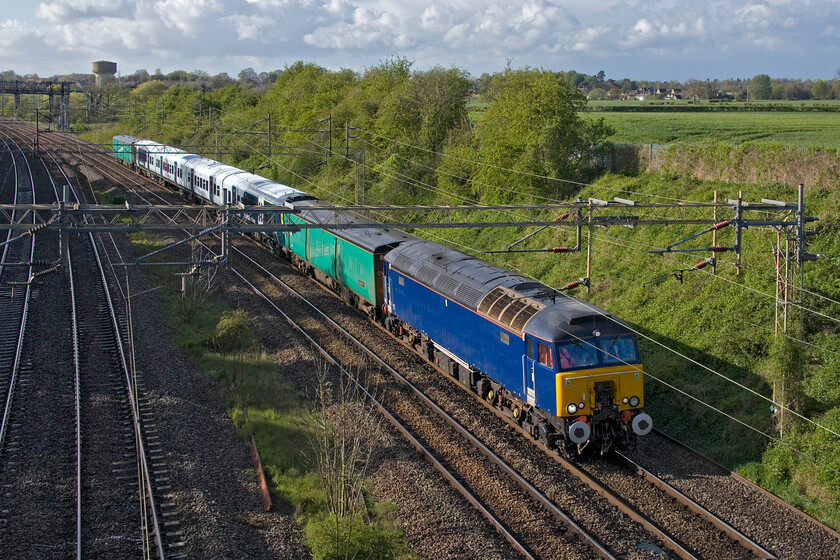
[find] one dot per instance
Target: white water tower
(104, 71)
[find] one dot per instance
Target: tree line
(403, 122)
(595, 86)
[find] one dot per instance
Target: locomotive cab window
(544, 355)
(618, 349)
(577, 354)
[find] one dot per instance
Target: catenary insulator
(722, 224)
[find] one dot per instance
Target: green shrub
(337, 538)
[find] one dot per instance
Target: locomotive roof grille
(427, 275)
(469, 295)
(403, 262)
(509, 308)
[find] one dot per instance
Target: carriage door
(529, 361)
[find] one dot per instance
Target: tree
(148, 90)
(534, 127)
(221, 80)
(760, 87)
(438, 99)
(248, 75)
(820, 90)
(597, 93)
(346, 431)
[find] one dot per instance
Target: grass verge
(262, 403)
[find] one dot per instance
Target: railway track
(18, 188)
(36, 453)
(100, 507)
(686, 532)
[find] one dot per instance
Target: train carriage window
(529, 348)
(544, 355)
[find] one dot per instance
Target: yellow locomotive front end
(600, 392)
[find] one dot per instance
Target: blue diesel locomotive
(567, 372)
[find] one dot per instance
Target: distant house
(638, 94)
(674, 94)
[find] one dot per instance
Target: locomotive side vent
(496, 311)
(522, 318)
(512, 310)
(489, 300)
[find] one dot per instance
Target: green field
(795, 129)
(800, 124)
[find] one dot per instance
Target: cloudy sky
(650, 39)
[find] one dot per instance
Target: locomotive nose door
(528, 369)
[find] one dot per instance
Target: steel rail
(725, 527)
(144, 468)
(25, 312)
(77, 398)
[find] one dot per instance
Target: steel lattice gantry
(59, 90)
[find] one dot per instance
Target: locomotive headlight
(581, 405)
(634, 401)
(572, 408)
(596, 333)
(625, 400)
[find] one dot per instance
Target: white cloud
(70, 10)
(15, 35)
(586, 35)
(188, 16)
(251, 27)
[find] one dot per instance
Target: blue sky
(650, 40)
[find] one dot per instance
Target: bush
(336, 538)
(233, 332)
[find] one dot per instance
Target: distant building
(104, 71)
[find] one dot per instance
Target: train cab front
(600, 394)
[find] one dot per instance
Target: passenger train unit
(567, 372)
